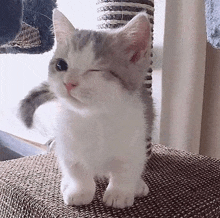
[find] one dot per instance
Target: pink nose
(70, 86)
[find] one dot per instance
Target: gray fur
(149, 114)
(81, 38)
(149, 109)
(35, 98)
(101, 44)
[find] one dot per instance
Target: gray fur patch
(149, 111)
(81, 38)
(100, 44)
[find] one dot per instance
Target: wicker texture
(116, 13)
(28, 37)
(181, 185)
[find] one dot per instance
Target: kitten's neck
(131, 103)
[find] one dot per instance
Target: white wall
(80, 13)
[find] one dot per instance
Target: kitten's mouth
(74, 99)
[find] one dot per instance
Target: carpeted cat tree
(25, 26)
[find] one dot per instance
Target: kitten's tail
(35, 98)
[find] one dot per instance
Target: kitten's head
(96, 69)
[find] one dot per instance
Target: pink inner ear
(135, 57)
(139, 43)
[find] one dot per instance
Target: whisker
(44, 16)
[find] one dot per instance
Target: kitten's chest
(100, 136)
(105, 134)
(101, 133)
(94, 132)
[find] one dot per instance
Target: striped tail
(35, 98)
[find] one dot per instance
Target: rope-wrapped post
(116, 13)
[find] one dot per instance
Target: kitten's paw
(78, 197)
(141, 189)
(77, 194)
(118, 198)
(64, 185)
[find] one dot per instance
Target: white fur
(101, 131)
(110, 144)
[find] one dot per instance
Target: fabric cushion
(181, 185)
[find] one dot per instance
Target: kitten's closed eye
(61, 65)
(93, 70)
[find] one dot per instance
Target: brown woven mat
(181, 185)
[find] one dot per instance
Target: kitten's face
(80, 82)
(95, 70)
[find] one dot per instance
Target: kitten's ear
(62, 26)
(136, 37)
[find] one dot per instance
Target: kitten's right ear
(62, 26)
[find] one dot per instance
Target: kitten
(105, 115)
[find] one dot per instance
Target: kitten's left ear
(62, 26)
(137, 36)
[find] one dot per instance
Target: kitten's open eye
(61, 65)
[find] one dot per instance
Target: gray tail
(35, 98)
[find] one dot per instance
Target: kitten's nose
(70, 86)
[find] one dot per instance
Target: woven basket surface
(181, 185)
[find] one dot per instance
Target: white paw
(64, 185)
(75, 195)
(118, 198)
(141, 189)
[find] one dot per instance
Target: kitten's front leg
(123, 188)
(77, 185)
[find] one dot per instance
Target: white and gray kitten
(105, 115)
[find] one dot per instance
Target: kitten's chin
(72, 103)
(75, 105)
